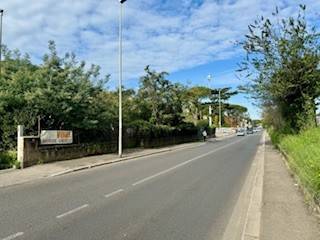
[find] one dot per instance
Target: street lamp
(210, 108)
(220, 108)
(1, 16)
(120, 77)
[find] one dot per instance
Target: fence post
(20, 145)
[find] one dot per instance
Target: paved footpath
(285, 215)
(13, 177)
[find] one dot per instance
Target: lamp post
(1, 16)
(220, 108)
(120, 77)
(210, 108)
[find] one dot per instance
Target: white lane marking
(113, 193)
(183, 163)
(13, 236)
(72, 211)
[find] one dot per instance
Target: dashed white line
(13, 236)
(72, 211)
(183, 163)
(113, 193)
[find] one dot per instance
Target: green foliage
(8, 159)
(67, 94)
(225, 94)
(235, 113)
(304, 158)
(282, 62)
(203, 124)
(161, 98)
(193, 102)
(61, 91)
(275, 136)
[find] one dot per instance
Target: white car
(241, 132)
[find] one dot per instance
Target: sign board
(48, 137)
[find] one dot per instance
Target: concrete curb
(252, 226)
(245, 220)
(122, 160)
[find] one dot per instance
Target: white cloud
(169, 35)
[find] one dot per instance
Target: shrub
(202, 124)
(8, 159)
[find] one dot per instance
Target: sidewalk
(13, 177)
(285, 215)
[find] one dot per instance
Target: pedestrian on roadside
(204, 134)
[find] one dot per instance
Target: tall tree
(60, 90)
(161, 97)
(282, 63)
(225, 95)
(193, 101)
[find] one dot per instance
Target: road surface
(187, 194)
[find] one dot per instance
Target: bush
(8, 159)
(140, 128)
(275, 136)
(202, 124)
(187, 129)
(304, 158)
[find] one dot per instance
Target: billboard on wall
(55, 137)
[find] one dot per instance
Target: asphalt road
(185, 194)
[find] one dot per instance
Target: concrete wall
(220, 132)
(34, 153)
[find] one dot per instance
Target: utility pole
(1, 16)
(120, 77)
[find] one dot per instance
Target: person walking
(204, 134)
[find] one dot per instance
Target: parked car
(250, 131)
(241, 132)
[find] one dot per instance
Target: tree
(225, 94)
(60, 90)
(15, 86)
(282, 63)
(193, 101)
(235, 114)
(161, 98)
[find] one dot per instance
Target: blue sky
(188, 38)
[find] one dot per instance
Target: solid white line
(13, 236)
(183, 163)
(113, 193)
(72, 211)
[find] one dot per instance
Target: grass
(8, 159)
(304, 157)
